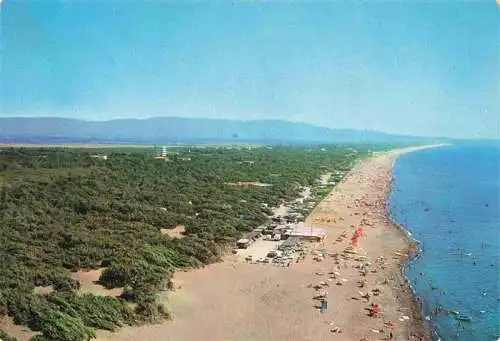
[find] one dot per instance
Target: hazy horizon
(419, 68)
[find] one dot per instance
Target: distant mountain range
(184, 130)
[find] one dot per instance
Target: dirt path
(237, 301)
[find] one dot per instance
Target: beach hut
(309, 233)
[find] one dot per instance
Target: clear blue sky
(422, 68)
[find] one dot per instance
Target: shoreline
(235, 301)
(405, 294)
(421, 324)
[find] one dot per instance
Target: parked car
(271, 254)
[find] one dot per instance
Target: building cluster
(291, 233)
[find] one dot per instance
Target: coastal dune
(234, 300)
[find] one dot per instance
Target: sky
(409, 67)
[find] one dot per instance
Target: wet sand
(236, 301)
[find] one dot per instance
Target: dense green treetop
(63, 210)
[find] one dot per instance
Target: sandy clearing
(43, 290)
(21, 333)
(280, 211)
(325, 178)
(258, 249)
(88, 283)
(176, 232)
(236, 301)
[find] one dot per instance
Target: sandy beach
(234, 300)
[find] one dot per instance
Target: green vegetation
(5, 337)
(62, 210)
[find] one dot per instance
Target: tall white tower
(164, 151)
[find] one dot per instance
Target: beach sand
(233, 300)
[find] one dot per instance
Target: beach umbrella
(354, 240)
(375, 310)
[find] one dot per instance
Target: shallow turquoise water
(448, 198)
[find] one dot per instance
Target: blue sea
(448, 199)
